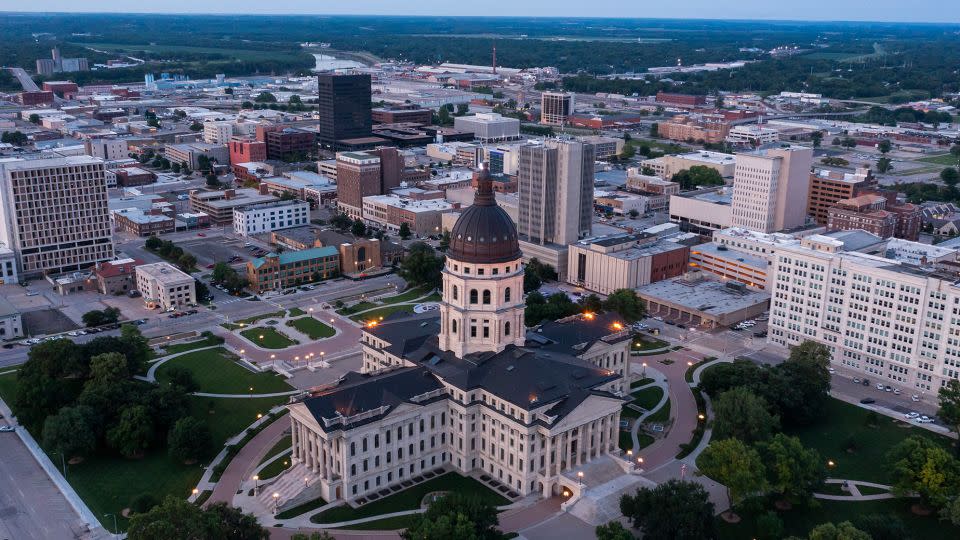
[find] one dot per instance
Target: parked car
(867, 401)
(856, 380)
(7, 429)
(911, 415)
(831, 370)
(888, 388)
(914, 398)
(896, 391)
(879, 386)
(924, 420)
(866, 382)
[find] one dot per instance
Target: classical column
(316, 453)
(323, 459)
(589, 441)
(293, 440)
(549, 458)
(304, 444)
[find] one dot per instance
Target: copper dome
(484, 233)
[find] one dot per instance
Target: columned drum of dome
(482, 308)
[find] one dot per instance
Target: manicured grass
(385, 524)
(648, 398)
(216, 372)
(272, 339)
(283, 444)
(228, 417)
(800, 520)
(409, 499)
(275, 468)
(644, 440)
(255, 318)
(312, 327)
(383, 312)
(356, 308)
(947, 160)
(646, 343)
(181, 347)
(407, 296)
(662, 414)
(688, 376)
(641, 382)
(301, 509)
(842, 423)
(626, 441)
(628, 413)
(296, 312)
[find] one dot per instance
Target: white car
(911, 415)
(914, 398)
(879, 386)
(924, 420)
(658, 319)
(831, 370)
(896, 391)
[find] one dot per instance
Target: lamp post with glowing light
(276, 502)
(256, 484)
(580, 478)
(644, 375)
(640, 464)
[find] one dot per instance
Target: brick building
(247, 151)
(827, 188)
(878, 213)
(292, 268)
(116, 277)
(290, 144)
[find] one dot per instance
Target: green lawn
(842, 423)
(662, 414)
(648, 397)
(647, 343)
(312, 327)
(216, 372)
(356, 308)
(407, 296)
(627, 413)
(626, 441)
(301, 509)
(382, 313)
(255, 318)
(641, 382)
(799, 521)
(296, 312)
(271, 338)
(275, 468)
(409, 499)
(385, 524)
(947, 160)
(181, 347)
(644, 440)
(283, 444)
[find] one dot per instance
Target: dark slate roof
(357, 393)
(484, 233)
(406, 333)
(567, 334)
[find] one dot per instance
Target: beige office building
(555, 108)
(165, 285)
(667, 166)
(770, 189)
(53, 213)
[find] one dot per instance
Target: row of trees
(100, 317)
(697, 175)
(624, 302)
(224, 274)
(172, 252)
(16, 138)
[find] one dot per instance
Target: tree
(843, 531)
(736, 466)
(133, 433)
(805, 386)
(626, 303)
(949, 398)
(213, 181)
(556, 306)
(882, 526)
(950, 176)
(531, 282)
(950, 512)
(674, 510)
(442, 117)
(182, 378)
(591, 303)
(316, 535)
(884, 146)
(884, 165)
(108, 369)
(444, 240)
(462, 108)
(456, 515)
(922, 466)
(741, 414)
(836, 141)
(173, 518)
(655, 131)
(46, 381)
(817, 138)
(196, 126)
(246, 105)
(224, 521)
(633, 213)
(542, 270)
(189, 440)
(187, 262)
(697, 175)
(16, 138)
(421, 266)
(265, 97)
(792, 470)
(70, 432)
(404, 231)
(358, 229)
(341, 222)
(769, 526)
(613, 531)
(34, 118)
(220, 272)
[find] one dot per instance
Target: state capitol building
(472, 391)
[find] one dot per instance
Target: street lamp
(63, 464)
(276, 502)
(251, 391)
(306, 481)
(644, 370)
(116, 530)
(580, 478)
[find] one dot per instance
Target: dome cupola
(484, 233)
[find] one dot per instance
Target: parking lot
(217, 249)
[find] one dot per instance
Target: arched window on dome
(473, 296)
(486, 297)
(453, 326)
(506, 294)
(456, 292)
(506, 328)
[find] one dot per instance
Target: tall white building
(54, 214)
(271, 216)
(106, 149)
(471, 399)
(882, 318)
(770, 189)
(165, 285)
(217, 132)
(489, 127)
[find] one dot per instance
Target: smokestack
(494, 58)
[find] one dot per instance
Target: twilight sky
(945, 11)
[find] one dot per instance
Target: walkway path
(661, 384)
(157, 362)
(246, 461)
(854, 490)
(413, 302)
(346, 340)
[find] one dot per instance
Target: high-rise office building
(344, 108)
(362, 174)
(555, 107)
(54, 214)
(770, 188)
(556, 192)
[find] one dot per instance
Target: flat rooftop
(164, 272)
(705, 296)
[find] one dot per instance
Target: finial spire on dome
(484, 185)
